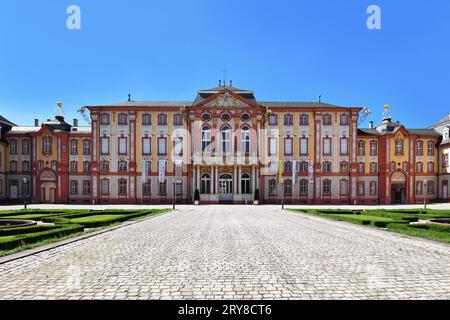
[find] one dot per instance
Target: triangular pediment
(226, 99)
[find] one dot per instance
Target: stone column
(253, 180)
(198, 173)
(217, 180)
(239, 180)
(235, 180)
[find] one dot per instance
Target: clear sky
(291, 50)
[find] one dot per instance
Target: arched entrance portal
(47, 190)
(398, 188)
(225, 188)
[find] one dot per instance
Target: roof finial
(224, 77)
(220, 83)
(231, 83)
(320, 98)
(129, 97)
(387, 114)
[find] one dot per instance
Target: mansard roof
(444, 121)
(305, 105)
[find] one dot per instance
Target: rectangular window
(419, 167)
(430, 187)
(430, 167)
(122, 166)
(122, 187)
(344, 167)
(304, 120)
(361, 148)
(373, 188)
(73, 147)
(123, 119)
(178, 120)
(399, 147)
(146, 146)
(105, 119)
(25, 166)
(47, 145)
(105, 187)
(303, 167)
(343, 187)
(26, 147)
(361, 188)
(162, 119)
(327, 146)
(104, 166)
(13, 146)
(430, 148)
(86, 167)
(122, 146)
(445, 160)
(273, 119)
(105, 146)
(327, 120)
(419, 148)
(73, 187)
(288, 148)
(303, 187)
(273, 148)
(86, 187)
(146, 119)
(405, 166)
(288, 120)
(344, 146)
(326, 187)
(163, 188)
(288, 188)
(344, 120)
(304, 146)
(288, 167)
(326, 167)
(54, 165)
(13, 166)
(87, 147)
(392, 167)
(272, 187)
(147, 188)
(73, 166)
(373, 167)
(361, 167)
(373, 148)
(162, 146)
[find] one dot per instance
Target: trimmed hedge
(21, 230)
(19, 240)
(428, 231)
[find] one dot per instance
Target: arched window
(206, 139)
(245, 183)
(272, 187)
(326, 187)
(303, 187)
(206, 184)
(245, 140)
(226, 139)
(288, 187)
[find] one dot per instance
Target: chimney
(75, 122)
(371, 125)
(36, 122)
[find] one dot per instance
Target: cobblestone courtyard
(234, 252)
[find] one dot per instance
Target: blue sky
(283, 50)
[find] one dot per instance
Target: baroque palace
(228, 146)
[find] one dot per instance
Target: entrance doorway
(398, 188)
(225, 188)
(48, 192)
(398, 192)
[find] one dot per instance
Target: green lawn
(392, 220)
(96, 218)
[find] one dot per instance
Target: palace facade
(229, 146)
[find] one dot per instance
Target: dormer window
(399, 147)
(446, 134)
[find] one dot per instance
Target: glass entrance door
(225, 187)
